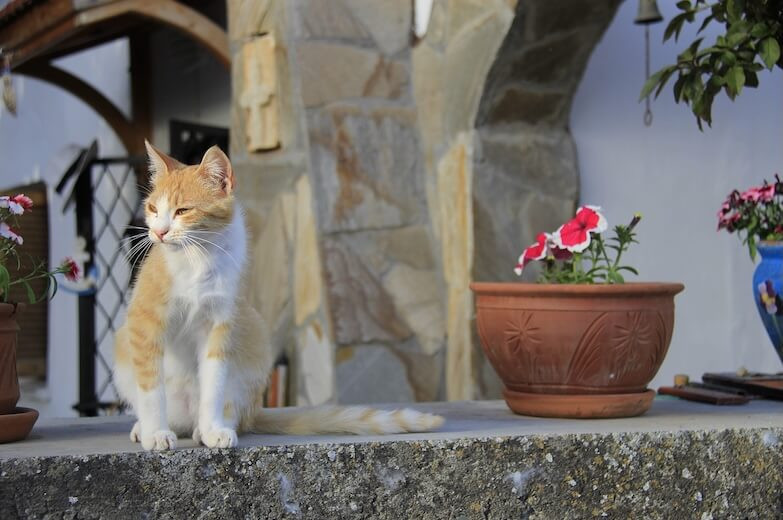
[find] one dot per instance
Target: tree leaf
(760, 30)
(678, 87)
(734, 10)
(705, 23)
(770, 52)
(735, 79)
(751, 79)
(684, 5)
(649, 85)
(675, 26)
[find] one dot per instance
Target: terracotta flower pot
(576, 350)
(15, 423)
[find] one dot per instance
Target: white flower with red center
(537, 251)
(8, 232)
(22, 200)
(575, 235)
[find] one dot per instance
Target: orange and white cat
(188, 359)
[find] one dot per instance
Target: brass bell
(648, 13)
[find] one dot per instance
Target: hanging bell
(648, 13)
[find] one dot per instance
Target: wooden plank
(30, 24)
(168, 12)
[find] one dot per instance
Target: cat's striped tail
(342, 419)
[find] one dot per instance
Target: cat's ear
(216, 167)
(160, 163)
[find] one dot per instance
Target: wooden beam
(43, 36)
(34, 21)
(125, 130)
(168, 12)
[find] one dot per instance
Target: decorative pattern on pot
(637, 341)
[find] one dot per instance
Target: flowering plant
(11, 208)
(756, 214)
(577, 253)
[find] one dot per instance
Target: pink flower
(8, 232)
(755, 194)
(70, 269)
(23, 200)
(574, 235)
(767, 192)
(537, 251)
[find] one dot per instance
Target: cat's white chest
(205, 279)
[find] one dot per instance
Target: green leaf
(734, 10)
(760, 30)
(770, 52)
(650, 84)
(705, 23)
(684, 5)
(30, 293)
(751, 79)
(678, 87)
(729, 58)
(675, 26)
(734, 39)
(735, 79)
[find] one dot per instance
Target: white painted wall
(677, 178)
(38, 144)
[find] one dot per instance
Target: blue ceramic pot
(768, 290)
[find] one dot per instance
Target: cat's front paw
(219, 438)
(159, 440)
(135, 434)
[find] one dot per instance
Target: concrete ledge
(681, 460)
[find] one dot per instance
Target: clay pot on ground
(578, 351)
(15, 422)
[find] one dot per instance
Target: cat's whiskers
(197, 248)
(205, 241)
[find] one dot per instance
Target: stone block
(455, 187)
(515, 104)
(247, 17)
(388, 21)
(333, 72)
(469, 56)
(547, 17)
(315, 364)
(366, 167)
(539, 160)
(330, 20)
(258, 97)
(371, 374)
(362, 310)
(269, 276)
(525, 183)
(554, 61)
(418, 298)
(307, 259)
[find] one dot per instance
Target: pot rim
(550, 289)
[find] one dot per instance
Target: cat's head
(187, 199)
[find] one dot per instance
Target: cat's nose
(160, 233)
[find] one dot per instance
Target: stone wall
(403, 171)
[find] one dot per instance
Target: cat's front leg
(153, 429)
(217, 419)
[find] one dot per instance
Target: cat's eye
(181, 211)
(152, 208)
